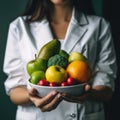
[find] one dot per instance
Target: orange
(79, 70)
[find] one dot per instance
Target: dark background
(111, 10)
(9, 10)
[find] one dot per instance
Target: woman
(63, 20)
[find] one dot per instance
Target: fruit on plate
(43, 82)
(58, 60)
(71, 81)
(79, 70)
(63, 53)
(52, 84)
(76, 56)
(64, 84)
(37, 76)
(36, 65)
(56, 74)
(49, 49)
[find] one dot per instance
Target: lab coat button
(73, 115)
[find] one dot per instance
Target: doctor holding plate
(66, 21)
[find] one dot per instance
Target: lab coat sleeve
(106, 68)
(13, 65)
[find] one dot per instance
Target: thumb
(32, 91)
(87, 87)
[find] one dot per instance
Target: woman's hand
(47, 103)
(98, 93)
(78, 99)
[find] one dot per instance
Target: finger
(87, 87)
(47, 99)
(32, 92)
(70, 99)
(34, 99)
(53, 104)
(40, 102)
(76, 99)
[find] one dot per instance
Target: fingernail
(54, 93)
(59, 96)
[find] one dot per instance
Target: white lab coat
(84, 32)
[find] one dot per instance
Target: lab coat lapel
(46, 33)
(42, 30)
(74, 35)
(76, 31)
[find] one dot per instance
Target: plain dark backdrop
(111, 10)
(9, 10)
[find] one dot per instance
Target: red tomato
(52, 84)
(71, 81)
(43, 83)
(64, 84)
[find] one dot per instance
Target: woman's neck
(61, 14)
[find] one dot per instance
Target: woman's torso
(79, 36)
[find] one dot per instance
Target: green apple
(56, 74)
(37, 76)
(36, 65)
(76, 56)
